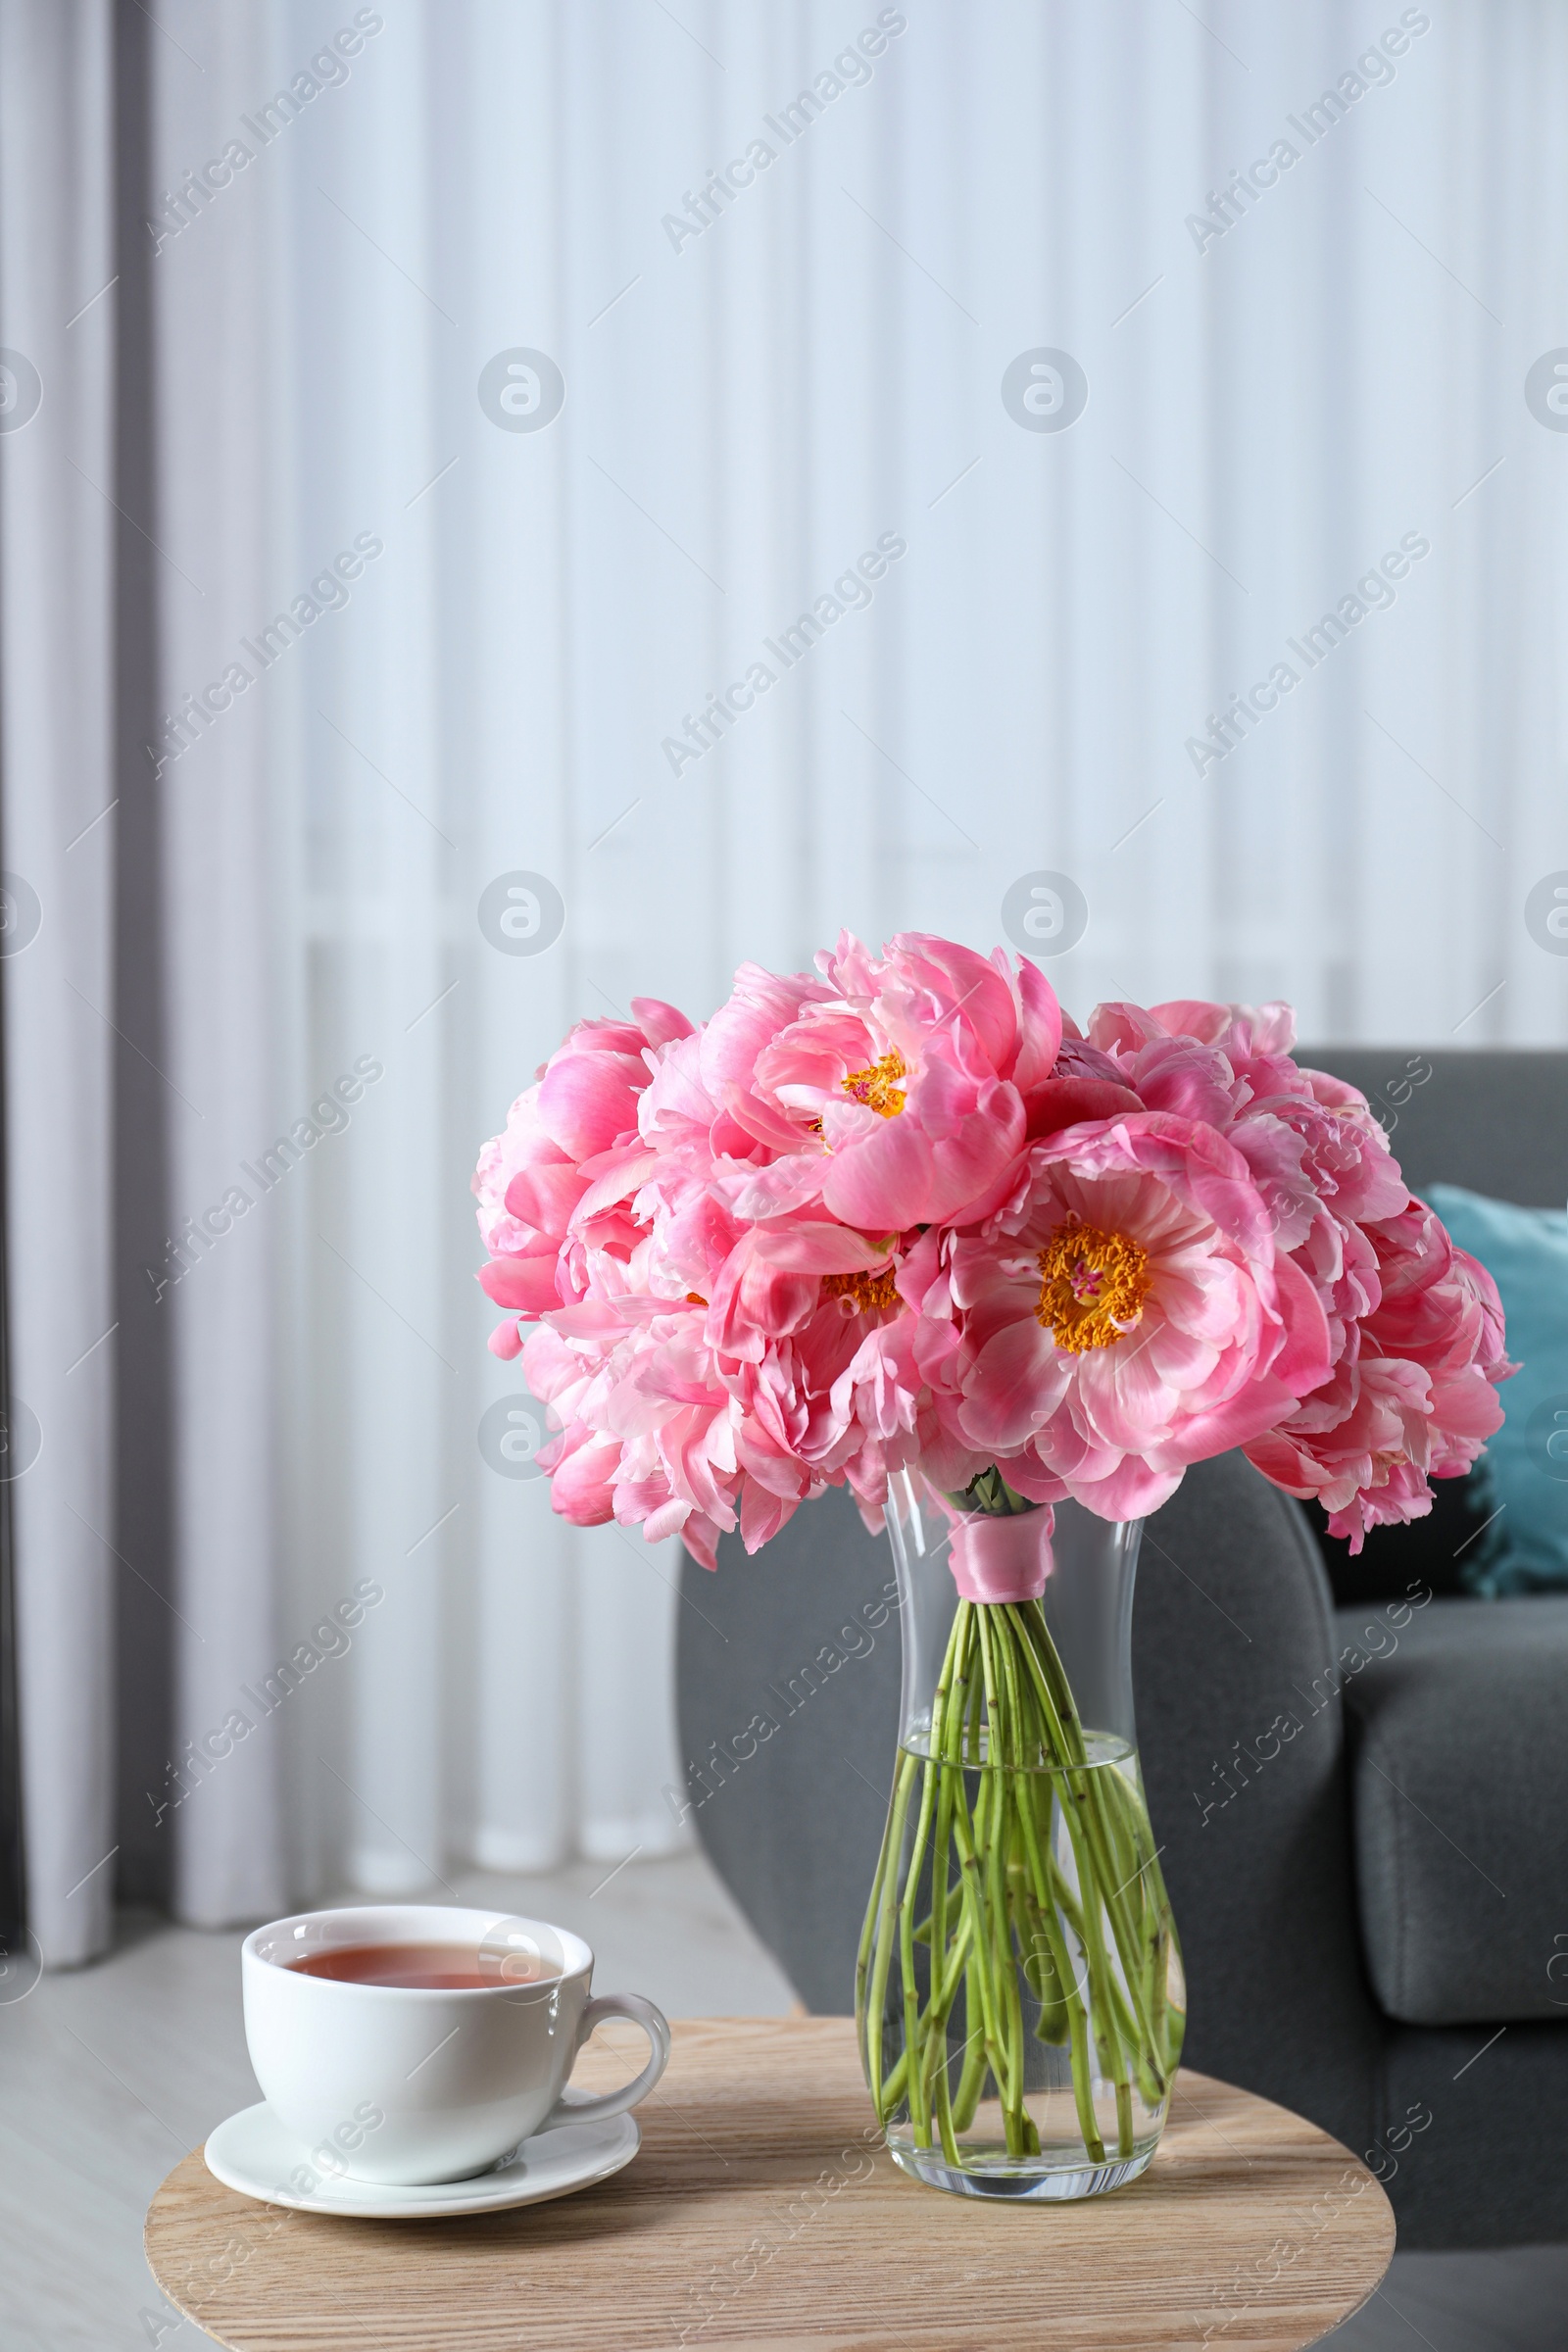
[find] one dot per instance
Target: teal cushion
(1524, 1250)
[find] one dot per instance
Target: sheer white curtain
(499, 632)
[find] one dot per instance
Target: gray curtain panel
(139, 1443)
(56, 590)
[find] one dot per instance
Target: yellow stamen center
(868, 1292)
(878, 1087)
(1093, 1287)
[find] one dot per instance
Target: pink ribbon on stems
(999, 1558)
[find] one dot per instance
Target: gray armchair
(1364, 1815)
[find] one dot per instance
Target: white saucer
(254, 2154)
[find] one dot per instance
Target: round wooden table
(761, 2209)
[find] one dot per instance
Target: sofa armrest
(1241, 1734)
(1461, 1807)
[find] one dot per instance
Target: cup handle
(594, 2110)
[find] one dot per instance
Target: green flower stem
(893, 2087)
(1150, 2076)
(1018, 1752)
(947, 1978)
(1098, 1869)
(1009, 2012)
(911, 1996)
(1077, 2020)
(980, 1980)
(950, 1680)
(972, 2078)
(1101, 2003)
(1093, 1863)
(1004, 1911)
(880, 1911)
(948, 1738)
(1152, 1910)
(1114, 1821)
(934, 2053)
(966, 1838)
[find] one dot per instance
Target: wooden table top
(761, 2209)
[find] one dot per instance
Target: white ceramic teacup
(414, 2084)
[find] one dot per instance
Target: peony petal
(617, 1182)
(1304, 1362)
(1061, 1103)
(1040, 1029)
(544, 1194)
(1180, 1358)
(1015, 1386)
(1132, 1490)
(884, 1182)
(817, 1247)
(588, 1100)
(659, 1024)
(526, 1284)
(1121, 1391)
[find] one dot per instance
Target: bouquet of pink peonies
(904, 1219)
(906, 1215)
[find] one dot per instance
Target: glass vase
(1019, 1996)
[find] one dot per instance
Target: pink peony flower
(1125, 1314)
(558, 1146)
(1414, 1395)
(1383, 1270)
(687, 1438)
(902, 1081)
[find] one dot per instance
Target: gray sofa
(1364, 1813)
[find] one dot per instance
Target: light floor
(109, 2075)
